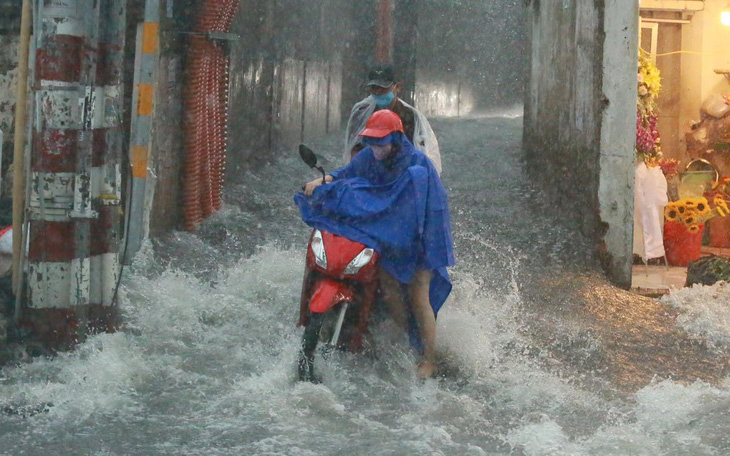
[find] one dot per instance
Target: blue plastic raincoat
(397, 206)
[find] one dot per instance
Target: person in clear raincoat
(384, 88)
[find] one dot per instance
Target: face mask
(381, 152)
(384, 100)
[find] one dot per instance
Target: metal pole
(19, 146)
(140, 146)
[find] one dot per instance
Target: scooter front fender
(327, 293)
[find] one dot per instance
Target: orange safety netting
(206, 114)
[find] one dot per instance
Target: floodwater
(539, 354)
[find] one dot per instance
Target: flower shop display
(669, 166)
(681, 245)
(684, 225)
(647, 136)
(720, 226)
(650, 184)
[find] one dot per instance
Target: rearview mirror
(307, 155)
(310, 159)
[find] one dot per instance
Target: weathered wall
(288, 74)
(618, 138)
(167, 139)
(578, 136)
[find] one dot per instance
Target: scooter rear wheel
(309, 345)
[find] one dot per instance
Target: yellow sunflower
(689, 202)
(702, 206)
(649, 73)
(690, 217)
(671, 213)
(694, 228)
(720, 203)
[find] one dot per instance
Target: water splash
(205, 363)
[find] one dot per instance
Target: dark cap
(381, 76)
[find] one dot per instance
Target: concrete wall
(167, 138)
(288, 75)
(618, 139)
(708, 40)
(579, 113)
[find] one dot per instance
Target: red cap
(382, 123)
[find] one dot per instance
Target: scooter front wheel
(309, 345)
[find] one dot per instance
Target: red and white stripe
(74, 209)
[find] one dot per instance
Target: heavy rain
(538, 351)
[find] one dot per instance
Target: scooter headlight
(320, 257)
(359, 261)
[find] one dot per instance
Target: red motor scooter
(338, 292)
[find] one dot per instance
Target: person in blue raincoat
(390, 198)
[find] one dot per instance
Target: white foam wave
(704, 311)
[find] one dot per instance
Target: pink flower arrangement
(646, 135)
(670, 166)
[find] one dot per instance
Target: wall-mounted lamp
(725, 16)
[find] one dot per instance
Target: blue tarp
(397, 206)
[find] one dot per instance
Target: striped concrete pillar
(75, 181)
(106, 180)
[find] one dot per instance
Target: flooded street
(539, 354)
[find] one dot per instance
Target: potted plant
(684, 225)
